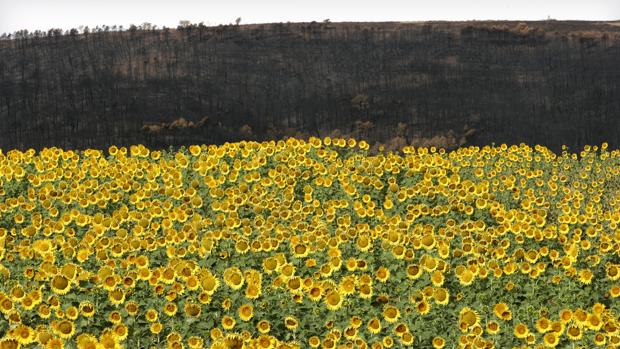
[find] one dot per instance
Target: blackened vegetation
(435, 83)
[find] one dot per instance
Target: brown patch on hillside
(180, 123)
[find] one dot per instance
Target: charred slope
(440, 83)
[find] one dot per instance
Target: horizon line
(210, 25)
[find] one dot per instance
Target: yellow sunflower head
(391, 314)
(521, 331)
(60, 284)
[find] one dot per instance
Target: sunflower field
(310, 244)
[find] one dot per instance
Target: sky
(66, 14)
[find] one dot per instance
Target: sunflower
(87, 341)
(109, 282)
(129, 281)
(37, 296)
(29, 273)
(192, 283)
(233, 277)
(115, 317)
(383, 274)
(401, 329)
(209, 283)
(270, 264)
(600, 339)
(55, 343)
(263, 326)
(574, 332)
(313, 342)
(613, 272)
(195, 342)
(294, 285)
(543, 325)
(598, 308)
(291, 322)
(315, 293)
(226, 304)
(388, 341)
(310, 263)
(64, 329)
(493, 327)
(438, 342)
(374, 325)
(521, 331)
(168, 276)
(228, 322)
(132, 308)
(363, 243)
(350, 264)
(173, 336)
(120, 332)
(171, 295)
(437, 278)
(246, 312)
(502, 311)
(441, 296)
(253, 291)
(17, 293)
(347, 285)
(287, 271)
(585, 276)
(170, 309)
(423, 307)
(83, 255)
(414, 271)
(328, 343)
(355, 321)
(566, 315)
(151, 315)
(298, 298)
(466, 277)
(233, 341)
(300, 251)
(614, 291)
(204, 298)
(60, 284)
(192, 309)
(27, 303)
(361, 264)
(24, 334)
(14, 317)
(580, 316)
(72, 313)
(468, 318)
(530, 339)
(156, 327)
(594, 322)
(44, 311)
(107, 340)
(551, 340)
(391, 314)
(366, 291)
(333, 300)
(145, 274)
(242, 246)
(407, 339)
(116, 296)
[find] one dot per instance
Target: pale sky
(66, 14)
